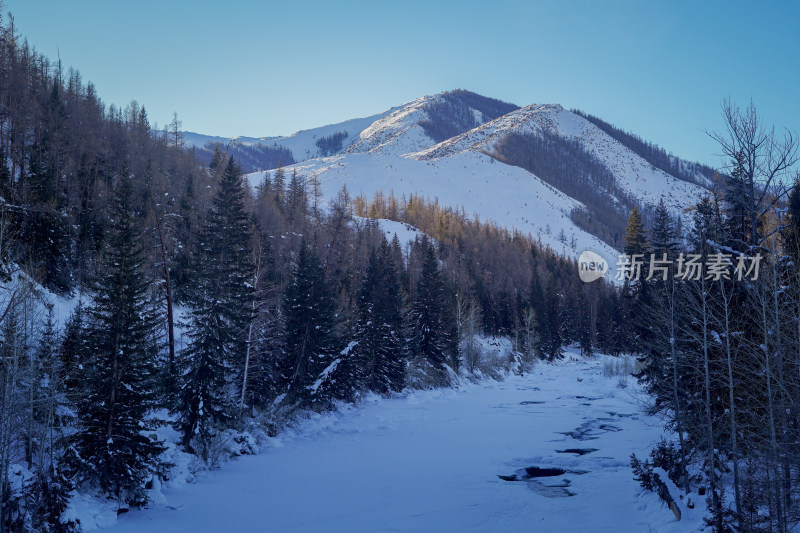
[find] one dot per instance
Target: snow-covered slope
(507, 195)
(396, 152)
(633, 175)
(431, 461)
(422, 123)
(302, 144)
(398, 132)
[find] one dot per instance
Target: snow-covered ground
(429, 461)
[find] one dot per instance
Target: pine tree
(73, 351)
(48, 394)
(791, 231)
(663, 236)
(220, 315)
(537, 305)
(398, 260)
(636, 289)
(279, 188)
(428, 327)
(379, 324)
(739, 204)
(114, 449)
(708, 226)
(217, 158)
(264, 189)
(586, 310)
(52, 494)
(296, 201)
(310, 340)
(550, 339)
(186, 233)
(43, 228)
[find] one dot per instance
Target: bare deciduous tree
(764, 159)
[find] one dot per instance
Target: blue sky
(659, 69)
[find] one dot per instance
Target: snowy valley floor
(430, 462)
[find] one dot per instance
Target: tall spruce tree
(74, 347)
(220, 315)
(586, 323)
(43, 228)
(428, 327)
(537, 304)
(663, 236)
(310, 339)
(217, 158)
(791, 230)
(378, 326)
(738, 206)
(113, 444)
(50, 492)
(279, 188)
(550, 340)
(296, 200)
(636, 288)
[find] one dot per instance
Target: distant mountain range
(565, 177)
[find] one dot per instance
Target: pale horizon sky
(657, 69)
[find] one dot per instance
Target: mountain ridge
(398, 153)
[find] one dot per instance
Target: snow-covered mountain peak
(633, 174)
(530, 119)
(424, 122)
(399, 132)
(542, 170)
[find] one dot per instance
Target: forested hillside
(568, 167)
(250, 157)
(654, 154)
(455, 113)
(287, 303)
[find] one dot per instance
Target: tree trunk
(734, 429)
(711, 459)
(676, 387)
(168, 290)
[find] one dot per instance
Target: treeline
(568, 167)
(330, 144)
(720, 349)
(522, 288)
(250, 157)
(692, 172)
(285, 306)
(453, 115)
